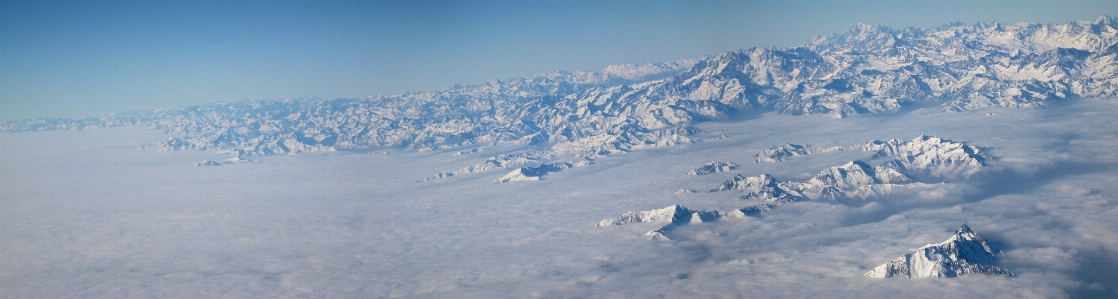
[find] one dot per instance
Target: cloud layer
(86, 214)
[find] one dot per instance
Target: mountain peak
(963, 229)
(963, 253)
(1105, 19)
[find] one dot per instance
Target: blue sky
(88, 58)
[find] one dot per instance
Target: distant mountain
(867, 69)
(963, 253)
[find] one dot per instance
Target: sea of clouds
(88, 214)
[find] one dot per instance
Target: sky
(92, 57)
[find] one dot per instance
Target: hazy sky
(87, 58)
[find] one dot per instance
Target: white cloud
(82, 217)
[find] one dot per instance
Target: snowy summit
(963, 253)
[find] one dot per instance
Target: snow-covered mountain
(679, 215)
(867, 69)
(536, 173)
(713, 167)
(925, 159)
(779, 153)
(854, 180)
(931, 158)
(963, 253)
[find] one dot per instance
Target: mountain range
(866, 69)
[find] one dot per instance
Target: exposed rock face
(963, 253)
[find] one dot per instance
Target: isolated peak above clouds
(963, 253)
